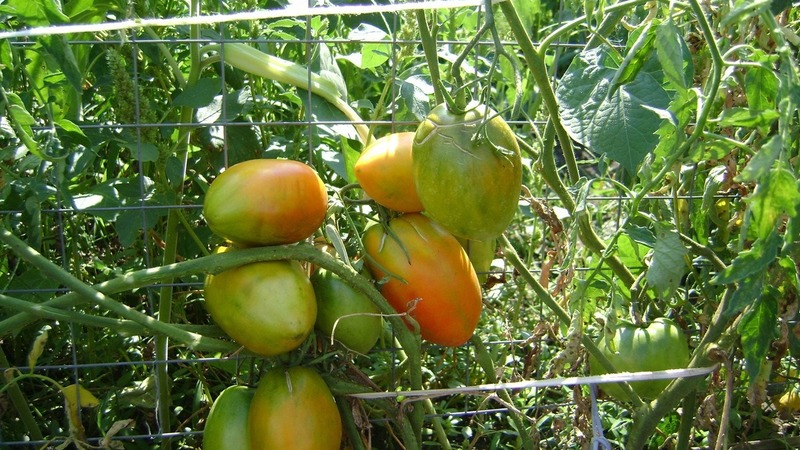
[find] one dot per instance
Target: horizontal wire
(294, 11)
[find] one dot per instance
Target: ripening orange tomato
(266, 202)
(439, 288)
(385, 172)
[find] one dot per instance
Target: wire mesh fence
(128, 145)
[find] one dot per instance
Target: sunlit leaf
(773, 197)
(673, 54)
(668, 265)
(752, 261)
(75, 394)
(618, 125)
(37, 349)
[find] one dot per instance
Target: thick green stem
(539, 71)
(20, 403)
(431, 55)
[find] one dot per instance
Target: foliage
(660, 151)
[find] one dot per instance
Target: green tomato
(481, 254)
(355, 317)
(227, 423)
(661, 345)
(468, 171)
(294, 409)
(267, 307)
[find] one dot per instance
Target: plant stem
(51, 270)
(687, 422)
(431, 55)
(19, 401)
(539, 71)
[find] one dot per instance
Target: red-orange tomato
(385, 172)
(441, 290)
(266, 202)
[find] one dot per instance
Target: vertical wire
(143, 194)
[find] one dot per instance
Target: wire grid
(125, 385)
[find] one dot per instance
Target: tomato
(660, 346)
(468, 171)
(481, 255)
(267, 307)
(294, 409)
(227, 423)
(384, 170)
(361, 327)
(440, 288)
(266, 202)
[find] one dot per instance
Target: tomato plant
(468, 171)
(345, 313)
(227, 422)
(423, 270)
(385, 172)
(294, 409)
(268, 307)
(661, 345)
(266, 202)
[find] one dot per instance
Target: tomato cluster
(290, 408)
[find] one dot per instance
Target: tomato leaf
(773, 197)
(757, 329)
(763, 160)
(668, 266)
(761, 88)
(617, 124)
(200, 94)
(752, 261)
(746, 293)
(673, 54)
(748, 117)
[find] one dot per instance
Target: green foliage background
(661, 156)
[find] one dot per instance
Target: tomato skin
(385, 172)
(466, 185)
(660, 346)
(441, 283)
(294, 409)
(227, 424)
(336, 299)
(267, 307)
(266, 202)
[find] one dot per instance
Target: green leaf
(669, 265)
(763, 160)
(414, 92)
(746, 293)
(773, 197)
(641, 235)
(619, 125)
(21, 116)
(757, 329)
(761, 88)
(36, 13)
(747, 117)
(752, 261)
(58, 47)
(200, 94)
(636, 57)
(673, 55)
(325, 65)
